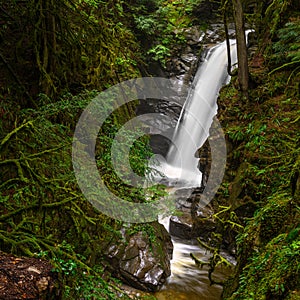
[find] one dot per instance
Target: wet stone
(139, 261)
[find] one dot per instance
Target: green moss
(43, 210)
(274, 217)
(263, 168)
(272, 272)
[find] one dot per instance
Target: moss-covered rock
(142, 256)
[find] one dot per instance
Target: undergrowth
(160, 25)
(262, 182)
(43, 212)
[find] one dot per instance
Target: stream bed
(187, 281)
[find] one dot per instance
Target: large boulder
(141, 258)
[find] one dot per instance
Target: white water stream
(196, 117)
(187, 281)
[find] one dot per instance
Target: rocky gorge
(136, 259)
(56, 57)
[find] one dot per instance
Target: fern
(287, 48)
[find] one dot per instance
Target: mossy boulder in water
(141, 258)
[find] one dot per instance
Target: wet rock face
(192, 222)
(181, 69)
(182, 226)
(195, 221)
(184, 63)
(186, 58)
(140, 261)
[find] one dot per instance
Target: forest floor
(25, 278)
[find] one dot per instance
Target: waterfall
(196, 116)
(188, 281)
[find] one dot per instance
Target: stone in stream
(186, 226)
(141, 260)
(181, 226)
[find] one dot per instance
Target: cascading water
(187, 281)
(196, 117)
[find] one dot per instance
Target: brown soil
(26, 278)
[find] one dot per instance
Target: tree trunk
(243, 72)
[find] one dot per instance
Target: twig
(46, 205)
(8, 136)
(283, 66)
(211, 249)
(199, 263)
